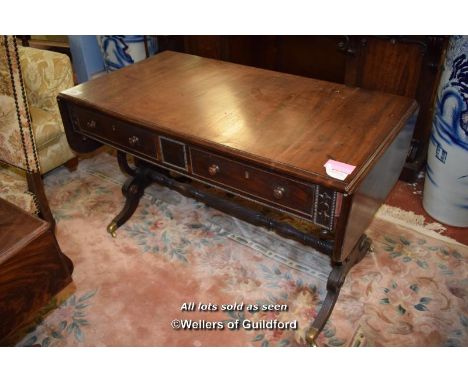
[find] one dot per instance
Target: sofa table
(322, 152)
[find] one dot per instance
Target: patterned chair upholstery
(44, 75)
(13, 182)
(32, 137)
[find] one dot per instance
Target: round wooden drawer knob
(133, 140)
(278, 192)
(213, 169)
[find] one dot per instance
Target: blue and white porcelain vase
(446, 184)
(119, 51)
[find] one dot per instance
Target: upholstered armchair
(32, 138)
(44, 75)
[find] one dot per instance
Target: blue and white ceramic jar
(119, 51)
(446, 184)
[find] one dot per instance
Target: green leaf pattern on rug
(68, 318)
(157, 231)
(402, 299)
(419, 252)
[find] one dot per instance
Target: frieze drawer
(253, 182)
(129, 137)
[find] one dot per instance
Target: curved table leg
(123, 164)
(334, 283)
(133, 189)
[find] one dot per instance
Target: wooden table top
(278, 120)
(17, 229)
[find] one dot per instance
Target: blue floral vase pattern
(446, 185)
(119, 51)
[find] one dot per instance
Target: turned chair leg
(72, 164)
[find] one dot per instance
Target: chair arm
(45, 74)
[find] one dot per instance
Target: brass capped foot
(311, 335)
(111, 228)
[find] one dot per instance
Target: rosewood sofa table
(261, 135)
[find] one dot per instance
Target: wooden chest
(32, 268)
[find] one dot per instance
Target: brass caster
(111, 228)
(311, 335)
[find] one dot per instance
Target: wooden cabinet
(403, 65)
(32, 268)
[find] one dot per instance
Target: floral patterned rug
(412, 290)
